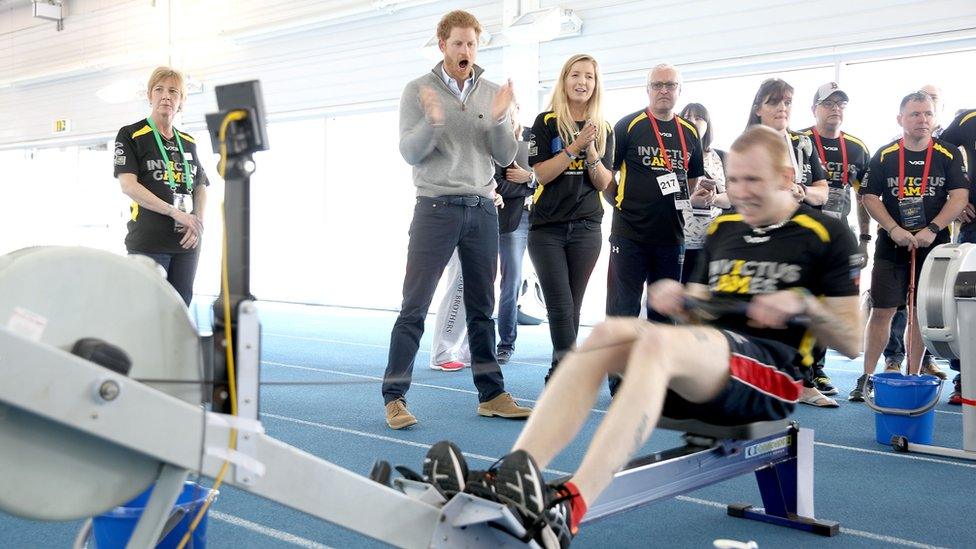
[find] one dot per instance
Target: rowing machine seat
(747, 431)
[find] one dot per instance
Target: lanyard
(169, 169)
(843, 153)
(901, 169)
(660, 141)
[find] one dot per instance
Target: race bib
(668, 183)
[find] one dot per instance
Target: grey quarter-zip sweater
(458, 157)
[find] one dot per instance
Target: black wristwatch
(865, 237)
(933, 227)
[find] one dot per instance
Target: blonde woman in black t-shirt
(159, 169)
(570, 151)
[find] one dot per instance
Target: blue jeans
(181, 270)
(440, 225)
(634, 265)
(511, 250)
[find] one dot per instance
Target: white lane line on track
(374, 346)
(489, 459)
(266, 531)
(377, 378)
(374, 436)
(894, 454)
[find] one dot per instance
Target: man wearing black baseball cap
(845, 159)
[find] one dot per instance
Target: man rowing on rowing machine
(779, 259)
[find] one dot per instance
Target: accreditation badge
(912, 212)
(183, 203)
(836, 200)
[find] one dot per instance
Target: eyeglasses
(830, 104)
(658, 86)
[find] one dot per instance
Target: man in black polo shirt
(658, 160)
(915, 187)
(845, 159)
(962, 133)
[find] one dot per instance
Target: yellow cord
(225, 293)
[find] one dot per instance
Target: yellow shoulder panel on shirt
(722, 219)
(850, 137)
(967, 117)
(638, 118)
(805, 220)
(548, 117)
(187, 137)
(142, 131)
(942, 150)
(794, 136)
(890, 148)
(807, 132)
(688, 125)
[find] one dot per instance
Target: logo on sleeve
(119, 154)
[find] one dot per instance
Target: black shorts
(889, 281)
(764, 385)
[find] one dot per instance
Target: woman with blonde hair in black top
(570, 151)
(158, 168)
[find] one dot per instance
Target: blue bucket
(904, 406)
(114, 528)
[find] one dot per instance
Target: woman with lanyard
(697, 220)
(159, 169)
(772, 107)
(570, 151)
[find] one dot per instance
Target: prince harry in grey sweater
(452, 131)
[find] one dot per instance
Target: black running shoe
(823, 383)
(857, 393)
(519, 483)
(445, 468)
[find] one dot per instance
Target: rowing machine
(946, 315)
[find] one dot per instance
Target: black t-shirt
(641, 212)
(858, 157)
(945, 175)
(811, 250)
(570, 196)
(137, 152)
(962, 133)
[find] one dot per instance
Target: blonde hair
(460, 19)
(765, 138)
(559, 104)
(162, 73)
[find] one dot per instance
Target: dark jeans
(633, 265)
(181, 270)
(564, 255)
(688, 264)
(439, 225)
(511, 250)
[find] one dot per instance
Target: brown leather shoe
(397, 415)
(932, 369)
(503, 405)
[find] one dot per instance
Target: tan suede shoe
(397, 415)
(503, 405)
